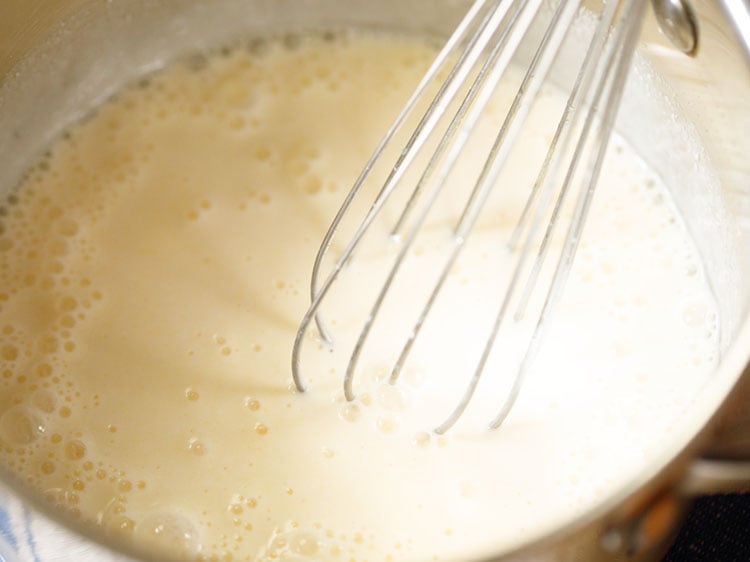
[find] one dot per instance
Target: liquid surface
(154, 270)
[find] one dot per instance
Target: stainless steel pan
(58, 58)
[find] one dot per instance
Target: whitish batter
(154, 268)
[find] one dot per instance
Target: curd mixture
(155, 266)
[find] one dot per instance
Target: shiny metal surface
(738, 16)
(58, 58)
(676, 21)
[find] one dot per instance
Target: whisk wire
(532, 81)
(554, 158)
(494, 30)
(613, 83)
(488, 179)
(477, 43)
(483, 86)
(476, 99)
(459, 35)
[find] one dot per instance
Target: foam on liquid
(154, 269)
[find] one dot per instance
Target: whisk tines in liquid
(465, 74)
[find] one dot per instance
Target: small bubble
(9, 352)
(260, 429)
(235, 508)
(196, 447)
(68, 227)
(392, 397)
(621, 349)
(313, 185)
(121, 525)
(68, 303)
(350, 412)
(304, 544)
(67, 321)
(387, 424)
(262, 153)
(422, 439)
(48, 344)
(169, 533)
(237, 123)
(191, 394)
(414, 377)
(299, 167)
(20, 426)
(694, 314)
(75, 449)
(252, 404)
(322, 71)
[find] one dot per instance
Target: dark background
(717, 529)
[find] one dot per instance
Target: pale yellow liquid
(154, 271)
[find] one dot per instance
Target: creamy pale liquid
(154, 270)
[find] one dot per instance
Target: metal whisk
(482, 47)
